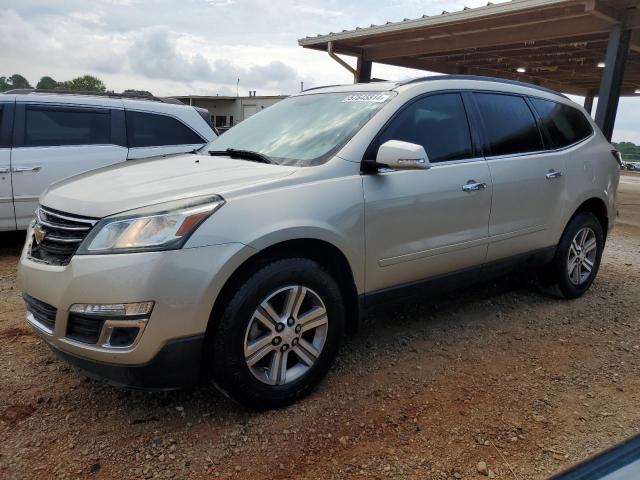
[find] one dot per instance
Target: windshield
(303, 130)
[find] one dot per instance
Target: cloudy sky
(204, 46)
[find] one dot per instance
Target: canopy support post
(612, 76)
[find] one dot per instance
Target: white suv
(248, 262)
(45, 137)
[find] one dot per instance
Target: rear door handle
(4, 170)
(553, 174)
(473, 186)
(35, 168)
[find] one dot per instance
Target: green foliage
(86, 83)
(630, 151)
(47, 83)
(18, 81)
(14, 81)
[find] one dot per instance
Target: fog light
(108, 325)
(123, 337)
(113, 309)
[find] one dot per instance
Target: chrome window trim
(458, 162)
(542, 152)
(386, 171)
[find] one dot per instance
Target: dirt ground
(501, 374)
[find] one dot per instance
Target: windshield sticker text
(367, 97)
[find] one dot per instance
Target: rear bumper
(176, 365)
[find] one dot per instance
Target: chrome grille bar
(57, 235)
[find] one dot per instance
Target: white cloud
(204, 46)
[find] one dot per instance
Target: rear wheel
(278, 335)
(577, 259)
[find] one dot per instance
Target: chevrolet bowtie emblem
(38, 234)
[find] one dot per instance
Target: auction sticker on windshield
(367, 97)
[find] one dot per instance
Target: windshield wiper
(244, 154)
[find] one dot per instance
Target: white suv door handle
(473, 186)
(553, 174)
(35, 168)
(5, 170)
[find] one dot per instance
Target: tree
(47, 83)
(137, 93)
(630, 151)
(86, 83)
(14, 81)
(18, 81)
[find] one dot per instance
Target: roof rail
(134, 96)
(481, 78)
(325, 86)
(373, 80)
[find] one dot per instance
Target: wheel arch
(598, 207)
(322, 251)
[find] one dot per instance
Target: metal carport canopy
(560, 44)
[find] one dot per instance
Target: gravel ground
(500, 378)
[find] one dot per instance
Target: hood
(140, 183)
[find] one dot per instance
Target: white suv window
(56, 126)
(152, 130)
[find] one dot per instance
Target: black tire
(558, 274)
(226, 341)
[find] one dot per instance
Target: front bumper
(183, 284)
(177, 365)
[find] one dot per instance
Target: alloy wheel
(286, 334)
(582, 256)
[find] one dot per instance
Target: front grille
(58, 235)
(43, 313)
(84, 328)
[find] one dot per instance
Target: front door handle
(4, 170)
(473, 186)
(35, 168)
(553, 174)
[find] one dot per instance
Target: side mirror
(402, 156)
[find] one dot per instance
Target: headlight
(166, 226)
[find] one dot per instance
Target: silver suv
(46, 136)
(247, 262)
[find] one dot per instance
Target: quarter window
(50, 127)
(438, 123)
(509, 125)
(566, 125)
(152, 130)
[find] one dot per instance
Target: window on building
(49, 127)
(151, 130)
(438, 123)
(566, 125)
(221, 120)
(509, 124)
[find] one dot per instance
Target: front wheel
(278, 335)
(577, 259)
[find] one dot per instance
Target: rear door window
(438, 123)
(566, 125)
(48, 126)
(153, 130)
(509, 124)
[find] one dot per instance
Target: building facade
(228, 111)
